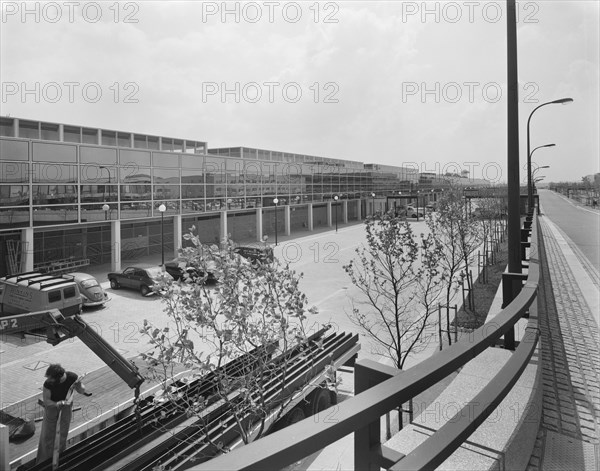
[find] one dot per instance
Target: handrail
(306, 437)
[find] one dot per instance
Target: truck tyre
(320, 399)
(114, 284)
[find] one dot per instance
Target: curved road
(581, 224)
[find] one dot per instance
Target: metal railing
(380, 389)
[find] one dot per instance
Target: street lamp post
(562, 101)
(373, 196)
(275, 201)
(162, 208)
(336, 224)
(105, 208)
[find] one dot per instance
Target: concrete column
(160, 143)
(4, 448)
(329, 214)
(99, 136)
(259, 224)
(177, 235)
(286, 218)
(115, 245)
(16, 127)
(61, 132)
(345, 211)
(223, 230)
(310, 217)
(26, 250)
(359, 210)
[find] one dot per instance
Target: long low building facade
(97, 196)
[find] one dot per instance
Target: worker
(57, 408)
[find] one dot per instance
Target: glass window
(134, 174)
(192, 176)
(96, 212)
(165, 160)
(139, 141)
(14, 195)
(135, 192)
(97, 193)
(166, 192)
(192, 206)
(54, 173)
(215, 190)
(69, 292)
(71, 134)
(98, 174)
(97, 155)
(132, 158)
(13, 150)
(89, 136)
(192, 161)
(109, 138)
(13, 172)
(54, 296)
(45, 152)
(50, 132)
(124, 139)
(14, 217)
(54, 194)
(51, 215)
(192, 191)
(178, 145)
(167, 144)
(29, 129)
(153, 142)
(135, 210)
(7, 127)
(163, 175)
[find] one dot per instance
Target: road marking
(37, 365)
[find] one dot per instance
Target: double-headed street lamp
(162, 208)
(275, 201)
(562, 101)
(336, 199)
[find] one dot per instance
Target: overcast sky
(419, 83)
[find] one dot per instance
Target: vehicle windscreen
(89, 283)
(154, 272)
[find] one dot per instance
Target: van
(35, 291)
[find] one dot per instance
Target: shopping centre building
(94, 196)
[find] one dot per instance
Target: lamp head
(105, 207)
(563, 101)
(335, 197)
(162, 208)
(275, 200)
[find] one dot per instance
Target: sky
(421, 84)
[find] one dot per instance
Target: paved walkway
(568, 438)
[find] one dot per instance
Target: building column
(310, 217)
(329, 213)
(61, 132)
(177, 235)
(115, 245)
(26, 250)
(287, 220)
(359, 210)
(259, 225)
(345, 211)
(223, 227)
(99, 136)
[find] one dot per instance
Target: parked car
(178, 268)
(412, 212)
(255, 254)
(142, 278)
(92, 293)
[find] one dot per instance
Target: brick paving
(571, 366)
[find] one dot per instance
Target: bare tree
(256, 310)
(398, 279)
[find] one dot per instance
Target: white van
(34, 291)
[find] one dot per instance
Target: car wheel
(114, 284)
(145, 290)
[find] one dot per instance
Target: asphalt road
(581, 224)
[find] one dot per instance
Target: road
(581, 224)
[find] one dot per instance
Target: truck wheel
(114, 284)
(320, 400)
(145, 290)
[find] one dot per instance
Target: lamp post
(562, 101)
(105, 208)
(229, 201)
(373, 196)
(162, 208)
(336, 199)
(275, 201)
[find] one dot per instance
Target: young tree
(398, 279)
(253, 309)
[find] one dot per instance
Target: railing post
(367, 374)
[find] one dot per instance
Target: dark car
(178, 268)
(255, 254)
(139, 277)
